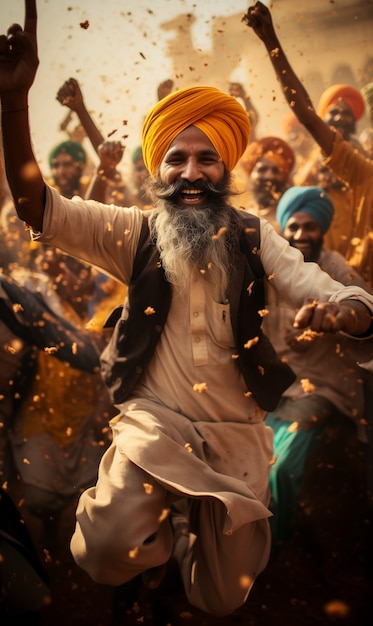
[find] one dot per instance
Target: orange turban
(352, 97)
(272, 148)
(219, 116)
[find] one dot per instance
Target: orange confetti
(307, 386)
(164, 515)
(274, 460)
(51, 350)
(309, 335)
(220, 232)
(251, 342)
(293, 427)
(133, 553)
(200, 387)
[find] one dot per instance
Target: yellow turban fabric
(219, 116)
(275, 150)
(351, 96)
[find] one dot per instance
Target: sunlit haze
(120, 50)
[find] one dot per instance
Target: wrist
(14, 101)
(110, 173)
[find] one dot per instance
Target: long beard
(193, 238)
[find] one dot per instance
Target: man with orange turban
(269, 163)
(189, 369)
(217, 115)
(341, 106)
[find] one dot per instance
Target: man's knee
(222, 604)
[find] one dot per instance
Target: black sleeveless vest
(139, 323)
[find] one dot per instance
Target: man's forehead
(64, 157)
(340, 105)
(301, 217)
(266, 163)
(191, 138)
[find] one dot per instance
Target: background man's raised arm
(18, 66)
(259, 18)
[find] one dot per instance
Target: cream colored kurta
(211, 445)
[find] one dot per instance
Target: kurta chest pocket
(221, 325)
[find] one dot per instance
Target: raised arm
(70, 95)
(259, 18)
(18, 66)
(107, 184)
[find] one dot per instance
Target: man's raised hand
(19, 55)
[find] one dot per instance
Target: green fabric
(73, 148)
(292, 448)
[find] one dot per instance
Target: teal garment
(292, 448)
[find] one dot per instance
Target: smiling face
(191, 157)
(304, 233)
(341, 117)
(66, 174)
(267, 183)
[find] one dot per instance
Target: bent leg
(219, 570)
(122, 526)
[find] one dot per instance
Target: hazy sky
(128, 47)
(118, 60)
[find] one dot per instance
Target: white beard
(192, 239)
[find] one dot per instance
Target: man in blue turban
(327, 396)
(304, 215)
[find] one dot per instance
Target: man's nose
(191, 170)
(298, 235)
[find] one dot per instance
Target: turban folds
(73, 148)
(274, 149)
(311, 200)
(219, 116)
(351, 96)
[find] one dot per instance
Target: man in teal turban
(328, 392)
(304, 215)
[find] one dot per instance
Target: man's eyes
(175, 160)
(179, 160)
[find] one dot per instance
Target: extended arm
(18, 65)
(259, 19)
(350, 316)
(70, 95)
